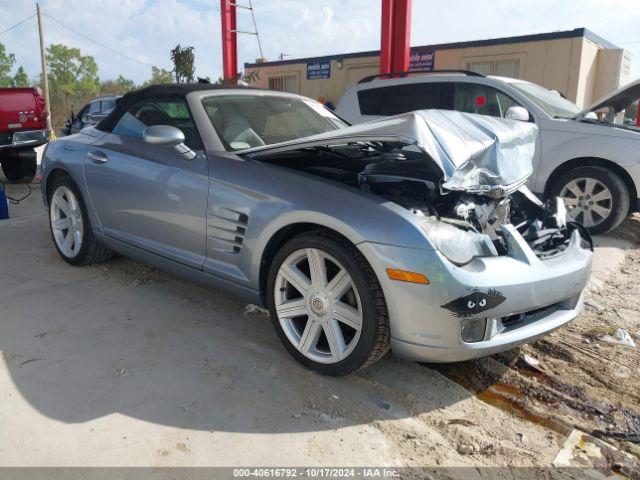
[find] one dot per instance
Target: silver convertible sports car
(412, 233)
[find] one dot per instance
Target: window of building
(396, 99)
(284, 83)
(508, 67)
(482, 99)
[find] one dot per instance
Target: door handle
(97, 157)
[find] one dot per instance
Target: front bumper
(536, 297)
(25, 138)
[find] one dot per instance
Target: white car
(591, 160)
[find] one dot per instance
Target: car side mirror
(168, 136)
(517, 113)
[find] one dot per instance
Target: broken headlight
(458, 245)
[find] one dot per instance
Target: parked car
(23, 126)
(93, 112)
(593, 165)
(413, 233)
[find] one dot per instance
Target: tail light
(41, 105)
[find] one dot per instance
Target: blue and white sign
(421, 60)
(318, 69)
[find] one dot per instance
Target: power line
(98, 43)
(17, 24)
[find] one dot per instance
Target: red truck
(23, 126)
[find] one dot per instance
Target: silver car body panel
(211, 219)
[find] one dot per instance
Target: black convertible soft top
(179, 89)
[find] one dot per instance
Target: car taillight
(41, 105)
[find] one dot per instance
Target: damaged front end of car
(461, 175)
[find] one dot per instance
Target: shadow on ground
(82, 343)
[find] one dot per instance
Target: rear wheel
(595, 197)
(19, 166)
(70, 227)
(327, 305)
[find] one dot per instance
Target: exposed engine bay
(404, 174)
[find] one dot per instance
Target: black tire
(91, 251)
(620, 194)
(373, 343)
(19, 168)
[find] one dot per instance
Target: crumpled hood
(476, 153)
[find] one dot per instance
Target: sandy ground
(120, 364)
(573, 378)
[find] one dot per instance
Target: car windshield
(551, 102)
(246, 121)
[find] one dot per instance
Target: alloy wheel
(588, 201)
(66, 222)
(318, 305)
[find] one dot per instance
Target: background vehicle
(593, 165)
(93, 112)
(358, 239)
(23, 126)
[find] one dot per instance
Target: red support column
(229, 40)
(638, 116)
(386, 32)
(395, 36)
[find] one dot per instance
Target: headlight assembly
(458, 245)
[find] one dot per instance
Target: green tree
(6, 65)
(20, 79)
(72, 77)
(183, 64)
(159, 75)
(119, 86)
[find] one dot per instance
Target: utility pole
(43, 61)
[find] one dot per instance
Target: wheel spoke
(68, 241)
(348, 315)
(335, 339)
(575, 189)
(296, 278)
(77, 239)
(575, 212)
(292, 308)
(317, 267)
(602, 196)
(589, 185)
(63, 205)
(588, 218)
(61, 224)
(602, 211)
(309, 338)
(339, 285)
(570, 201)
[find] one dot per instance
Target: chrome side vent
(226, 229)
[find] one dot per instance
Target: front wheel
(70, 227)
(327, 305)
(595, 197)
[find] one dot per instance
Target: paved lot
(119, 364)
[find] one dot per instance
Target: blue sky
(146, 30)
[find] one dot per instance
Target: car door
(147, 195)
